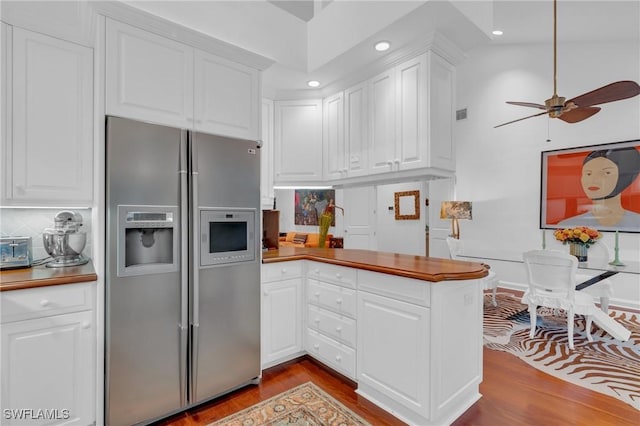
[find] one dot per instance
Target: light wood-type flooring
(513, 394)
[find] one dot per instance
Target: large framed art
(596, 186)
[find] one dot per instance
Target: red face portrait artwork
(596, 186)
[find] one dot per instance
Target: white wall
(499, 169)
(400, 236)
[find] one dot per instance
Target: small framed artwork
(407, 205)
(596, 186)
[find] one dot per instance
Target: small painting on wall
(310, 203)
(596, 186)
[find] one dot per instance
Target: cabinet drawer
(333, 325)
(333, 273)
(337, 356)
(409, 290)
(45, 301)
(338, 299)
(281, 270)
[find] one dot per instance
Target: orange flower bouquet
(581, 235)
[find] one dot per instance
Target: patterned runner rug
(605, 365)
(306, 405)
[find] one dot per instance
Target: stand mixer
(65, 242)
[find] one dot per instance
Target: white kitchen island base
(411, 342)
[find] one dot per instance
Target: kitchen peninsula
(407, 329)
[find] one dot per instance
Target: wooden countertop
(419, 267)
(40, 276)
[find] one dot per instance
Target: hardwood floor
(514, 393)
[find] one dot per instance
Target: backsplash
(31, 223)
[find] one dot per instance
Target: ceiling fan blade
(527, 104)
(578, 114)
(609, 93)
(520, 119)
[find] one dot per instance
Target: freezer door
(144, 313)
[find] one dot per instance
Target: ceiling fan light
(313, 83)
(497, 32)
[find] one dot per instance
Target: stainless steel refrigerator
(182, 269)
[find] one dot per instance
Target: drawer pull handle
(316, 346)
(317, 294)
(44, 303)
(338, 276)
(86, 324)
(338, 358)
(317, 320)
(317, 271)
(266, 293)
(339, 301)
(338, 329)
(284, 270)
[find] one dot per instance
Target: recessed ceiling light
(381, 46)
(313, 83)
(496, 32)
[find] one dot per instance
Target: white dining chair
(490, 282)
(551, 276)
(602, 291)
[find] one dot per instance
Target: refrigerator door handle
(184, 266)
(195, 300)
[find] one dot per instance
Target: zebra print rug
(605, 365)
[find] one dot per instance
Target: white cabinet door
(333, 137)
(49, 155)
(266, 155)
(298, 141)
(441, 113)
(227, 97)
(356, 133)
(281, 320)
(148, 77)
(393, 350)
(383, 122)
(49, 363)
(411, 130)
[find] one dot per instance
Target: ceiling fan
(580, 107)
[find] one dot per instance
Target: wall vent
(461, 114)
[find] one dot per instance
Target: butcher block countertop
(40, 276)
(419, 267)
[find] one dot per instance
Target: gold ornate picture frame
(407, 205)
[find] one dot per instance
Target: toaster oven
(15, 252)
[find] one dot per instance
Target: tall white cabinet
(47, 149)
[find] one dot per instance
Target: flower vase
(579, 251)
(325, 223)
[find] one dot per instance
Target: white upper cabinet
(411, 137)
(383, 122)
(356, 133)
(47, 136)
(148, 77)
(441, 112)
(226, 97)
(156, 79)
(298, 141)
(333, 135)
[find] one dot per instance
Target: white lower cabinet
(48, 355)
(414, 347)
(281, 312)
(331, 316)
(393, 350)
